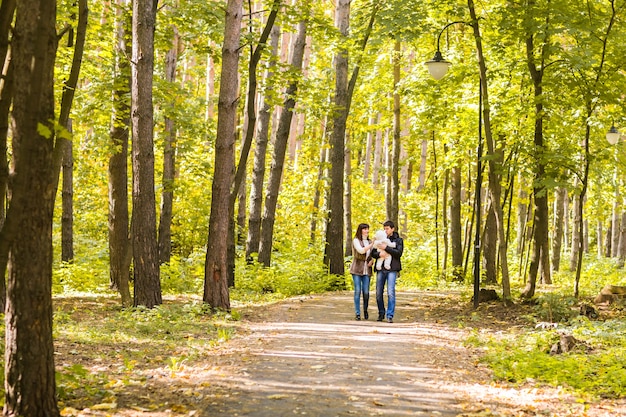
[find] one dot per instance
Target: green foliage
(555, 308)
(183, 275)
(293, 273)
(600, 372)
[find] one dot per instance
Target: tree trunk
(615, 226)
(522, 216)
(557, 239)
(347, 199)
(423, 163)
(392, 214)
(7, 9)
(600, 238)
(378, 146)
(280, 150)
(367, 160)
(495, 162)
(322, 172)
(540, 254)
(144, 234)
(216, 269)
(65, 158)
(607, 241)
(169, 159)
(456, 242)
(260, 152)
(120, 253)
(575, 234)
(67, 197)
(490, 245)
(29, 352)
(621, 251)
(334, 231)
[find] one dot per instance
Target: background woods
(212, 147)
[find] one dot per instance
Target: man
(388, 275)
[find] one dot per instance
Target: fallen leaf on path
(277, 396)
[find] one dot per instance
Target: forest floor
(309, 356)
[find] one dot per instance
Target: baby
(384, 257)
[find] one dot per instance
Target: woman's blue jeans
(388, 277)
(361, 284)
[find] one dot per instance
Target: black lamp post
(437, 67)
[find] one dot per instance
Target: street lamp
(437, 67)
(613, 135)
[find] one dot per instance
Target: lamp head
(613, 135)
(437, 67)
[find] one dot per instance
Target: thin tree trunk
(557, 239)
(260, 153)
(607, 241)
(494, 162)
(621, 251)
(575, 234)
(615, 221)
(280, 150)
(490, 245)
(455, 223)
(347, 198)
(169, 159)
(6, 98)
(322, 172)
(67, 196)
(599, 238)
(144, 233)
(65, 157)
(120, 249)
(378, 145)
(540, 254)
(30, 388)
(367, 160)
(394, 206)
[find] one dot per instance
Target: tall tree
(29, 351)
(495, 187)
(144, 234)
(280, 149)
(536, 66)
(66, 156)
(334, 231)
(260, 152)
(344, 90)
(169, 158)
(7, 11)
(394, 207)
(238, 187)
(216, 271)
(120, 248)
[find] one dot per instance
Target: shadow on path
(310, 357)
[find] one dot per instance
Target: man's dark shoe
(358, 317)
(380, 317)
(389, 319)
(366, 315)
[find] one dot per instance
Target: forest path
(308, 356)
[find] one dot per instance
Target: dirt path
(308, 356)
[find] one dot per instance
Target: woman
(361, 268)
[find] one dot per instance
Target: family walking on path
(384, 253)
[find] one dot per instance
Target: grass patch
(595, 369)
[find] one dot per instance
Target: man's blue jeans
(389, 278)
(361, 284)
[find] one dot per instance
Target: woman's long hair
(359, 230)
